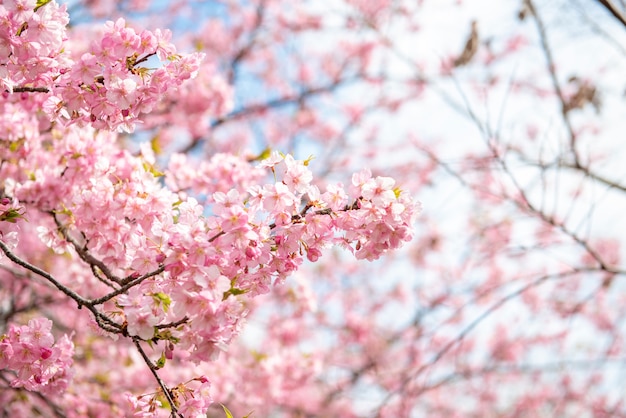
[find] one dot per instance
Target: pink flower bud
(169, 351)
(45, 353)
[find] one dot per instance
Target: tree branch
(127, 286)
(30, 90)
(166, 391)
(103, 321)
(84, 254)
(617, 14)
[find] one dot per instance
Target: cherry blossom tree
(198, 221)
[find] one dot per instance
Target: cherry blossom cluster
(193, 396)
(167, 256)
(39, 364)
(31, 43)
(169, 269)
(110, 86)
(221, 173)
(122, 75)
(165, 259)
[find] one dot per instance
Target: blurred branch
(600, 29)
(528, 368)
(411, 377)
(277, 103)
(617, 14)
(565, 106)
(54, 408)
(282, 101)
(241, 54)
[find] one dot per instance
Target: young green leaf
(40, 4)
(161, 361)
(227, 412)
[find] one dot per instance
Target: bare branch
(543, 36)
(241, 54)
(127, 285)
(470, 327)
(30, 90)
(617, 14)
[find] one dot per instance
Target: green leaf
(263, 155)
(161, 361)
(65, 211)
(22, 28)
(227, 412)
(11, 215)
(155, 145)
(166, 335)
(163, 299)
(233, 290)
(152, 170)
(16, 145)
(249, 414)
(41, 3)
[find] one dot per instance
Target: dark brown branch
(103, 321)
(56, 409)
(84, 254)
(127, 285)
(30, 90)
(216, 236)
(79, 299)
(153, 369)
(173, 324)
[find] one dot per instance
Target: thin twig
(127, 285)
(470, 327)
(166, 391)
(547, 51)
(84, 254)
